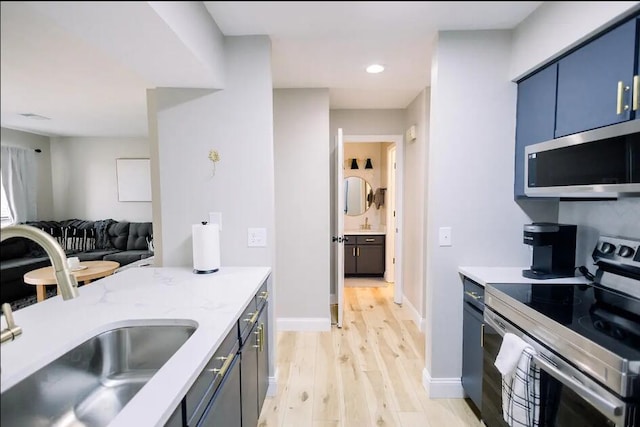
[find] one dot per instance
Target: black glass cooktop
(606, 317)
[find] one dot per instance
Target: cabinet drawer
(350, 239)
(244, 323)
(208, 381)
(474, 294)
(262, 296)
(369, 240)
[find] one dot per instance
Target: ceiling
(87, 65)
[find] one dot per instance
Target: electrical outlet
(444, 236)
(257, 237)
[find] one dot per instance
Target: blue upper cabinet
(595, 82)
(535, 117)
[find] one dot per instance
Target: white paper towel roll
(206, 248)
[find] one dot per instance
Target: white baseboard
(272, 387)
(442, 388)
(304, 324)
(415, 315)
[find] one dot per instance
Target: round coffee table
(46, 275)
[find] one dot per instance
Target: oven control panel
(620, 250)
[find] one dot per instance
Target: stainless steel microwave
(600, 163)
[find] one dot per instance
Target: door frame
(399, 142)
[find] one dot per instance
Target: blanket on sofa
(102, 235)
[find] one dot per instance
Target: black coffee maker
(554, 250)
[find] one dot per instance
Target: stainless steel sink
(90, 384)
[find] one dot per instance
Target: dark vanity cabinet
(364, 255)
(231, 388)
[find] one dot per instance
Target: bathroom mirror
(358, 195)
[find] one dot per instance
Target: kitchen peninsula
(140, 296)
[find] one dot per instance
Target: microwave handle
(611, 410)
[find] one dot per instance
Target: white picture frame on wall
(134, 180)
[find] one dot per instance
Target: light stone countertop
(145, 295)
(364, 232)
(488, 275)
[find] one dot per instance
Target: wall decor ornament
(214, 156)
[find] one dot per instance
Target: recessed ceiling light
(375, 68)
(34, 116)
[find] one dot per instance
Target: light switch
(257, 237)
(444, 236)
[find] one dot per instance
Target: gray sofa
(120, 241)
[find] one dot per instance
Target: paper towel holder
(208, 271)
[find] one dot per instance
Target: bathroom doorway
(377, 161)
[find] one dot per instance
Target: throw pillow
(79, 240)
(74, 239)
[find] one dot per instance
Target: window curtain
(18, 168)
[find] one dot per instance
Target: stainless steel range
(587, 337)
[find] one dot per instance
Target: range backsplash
(596, 218)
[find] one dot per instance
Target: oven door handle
(610, 409)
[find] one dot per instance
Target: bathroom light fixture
(375, 69)
(368, 165)
(354, 164)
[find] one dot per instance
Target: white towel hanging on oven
(520, 382)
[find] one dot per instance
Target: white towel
(520, 382)
(510, 352)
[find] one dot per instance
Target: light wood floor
(367, 374)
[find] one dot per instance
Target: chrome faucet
(66, 281)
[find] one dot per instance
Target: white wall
(415, 203)
(84, 178)
(195, 27)
(367, 122)
(470, 186)
(16, 138)
(301, 130)
(596, 218)
(557, 26)
(185, 124)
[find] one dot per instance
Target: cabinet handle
(369, 240)
(254, 317)
(353, 252)
(620, 106)
(264, 295)
(261, 337)
(636, 92)
(482, 335)
(225, 366)
(358, 251)
(248, 319)
(473, 295)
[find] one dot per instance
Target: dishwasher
(473, 327)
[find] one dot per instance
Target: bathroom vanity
(364, 254)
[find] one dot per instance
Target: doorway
(378, 159)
